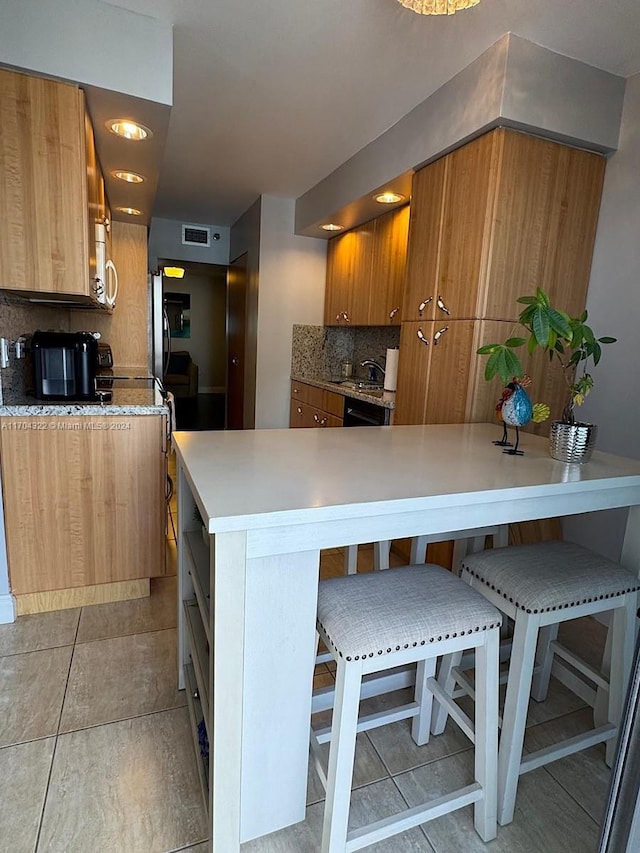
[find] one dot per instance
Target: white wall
(291, 290)
(165, 241)
(613, 304)
(91, 42)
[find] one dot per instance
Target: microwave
(65, 365)
(106, 281)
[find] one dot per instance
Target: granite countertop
(386, 399)
(125, 401)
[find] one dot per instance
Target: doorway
(195, 308)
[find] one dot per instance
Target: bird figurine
(515, 409)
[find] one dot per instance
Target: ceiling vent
(195, 235)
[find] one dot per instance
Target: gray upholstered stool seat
(380, 620)
(540, 586)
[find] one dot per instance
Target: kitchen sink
(362, 385)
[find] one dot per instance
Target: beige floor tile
(129, 786)
(121, 677)
(367, 768)
(544, 813)
(199, 848)
(367, 804)
(32, 688)
(586, 637)
(24, 773)
(40, 631)
(584, 775)
(152, 613)
(395, 745)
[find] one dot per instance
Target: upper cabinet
(365, 272)
(51, 190)
(497, 218)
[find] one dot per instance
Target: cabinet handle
(393, 312)
(442, 306)
(299, 410)
(421, 337)
(424, 304)
(343, 316)
(235, 362)
(320, 421)
(439, 334)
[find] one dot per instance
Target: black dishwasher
(361, 413)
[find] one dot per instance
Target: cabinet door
(543, 229)
(83, 500)
(425, 230)
(43, 245)
(304, 416)
(468, 205)
(348, 275)
(433, 372)
(388, 267)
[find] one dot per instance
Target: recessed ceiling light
(331, 226)
(173, 272)
(389, 197)
(128, 129)
(129, 177)
(132, 211)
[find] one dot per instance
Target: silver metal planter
(572, 442)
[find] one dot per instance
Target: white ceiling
(270, 96)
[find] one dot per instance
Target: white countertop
(264, 478)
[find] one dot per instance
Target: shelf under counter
(196, 715)
(199, 652)
(197, 554)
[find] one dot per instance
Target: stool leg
(460, 550)
(486, 735)
(351, 560)
(381, 551)
(515, 712)
(418, 550)
(544, 662)
(424, 697)
(622, 631)
(447, 682)
(344, 726)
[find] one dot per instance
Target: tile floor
(96, 753)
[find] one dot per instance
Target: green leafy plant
(569, 341)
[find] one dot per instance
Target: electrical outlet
(4, 352)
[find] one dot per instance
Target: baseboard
(212, 389)
(81, 596)
(7, 609)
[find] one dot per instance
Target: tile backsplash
(18, 318)
(318, 351)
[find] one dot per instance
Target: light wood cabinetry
(83, 499)
(365, 272)
(497, 218)
(490, 222)
(49, 180)
(313, 407)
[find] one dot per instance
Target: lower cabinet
(313, 407)
(84, 499)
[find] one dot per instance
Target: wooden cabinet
(83, 499)
(491, 222)
(313, 407)
(49, 179)
(365, 272)
(497, 218)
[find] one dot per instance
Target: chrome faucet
(373, 366)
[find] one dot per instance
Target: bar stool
(375, 621)
(540, 586)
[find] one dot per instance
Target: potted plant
(572, 345)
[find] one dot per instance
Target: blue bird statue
(516, 410)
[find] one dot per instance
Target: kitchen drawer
(327, 401)
(304, 416)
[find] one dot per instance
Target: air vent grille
(193, 235)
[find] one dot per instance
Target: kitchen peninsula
(84, 497)
(269, 501)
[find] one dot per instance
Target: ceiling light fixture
(129, 177)
(173, 272)
(438, 7)
(389, 197)
(331, 226)
(132, 211)
(128, 129)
